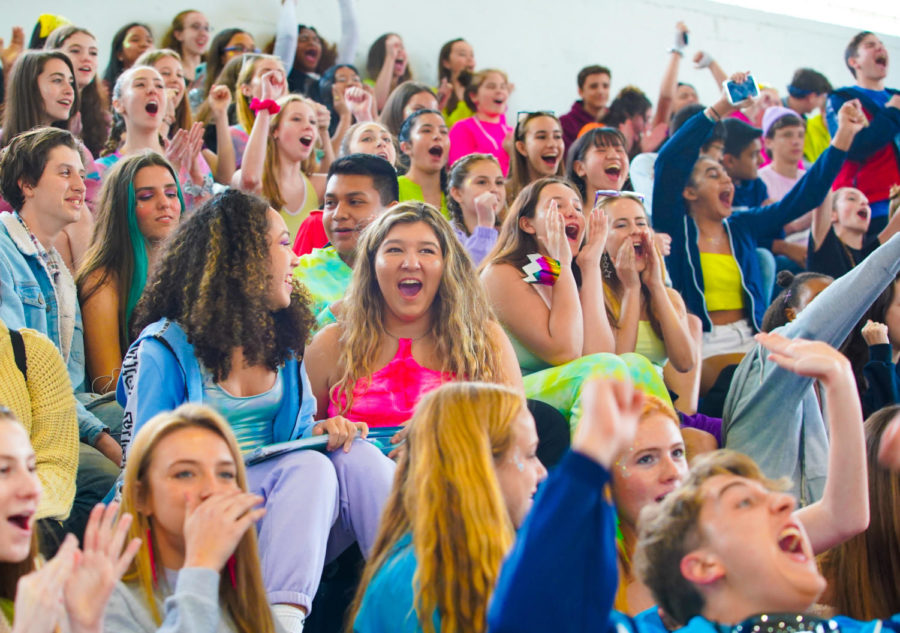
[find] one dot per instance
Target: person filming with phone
(713, 261)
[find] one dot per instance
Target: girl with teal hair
(140, 206)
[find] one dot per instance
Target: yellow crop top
(722, 285)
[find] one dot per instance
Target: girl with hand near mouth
(477, 203)
(342, 92)
(70, 592)
(91, 121)
(486, 131)
(456, 63)
(714, 265)
(140, 101)
(647, 317)
(839, 237)
(539, 150)
(414, 317)
(42, 91)
(245, 362)
(425, 141)
(140, 206)
(280, 158)
(555, 319)
(387, 66)
(476, 442)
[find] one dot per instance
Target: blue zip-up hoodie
(673, 168)
(160, 372)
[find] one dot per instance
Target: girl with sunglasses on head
(544, 282)
(539, 150)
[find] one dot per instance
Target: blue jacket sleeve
(883, 127)
(569, 537)
(673, 167)
(808, 193)
(881, 376)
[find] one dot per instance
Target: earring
(606, 267)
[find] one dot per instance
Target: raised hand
(273, 85)
(611, 412)
(814, 359)
(487, 204)
(595, 242)
(663, 242)
(101, 565)
(40, 605)
(360, 102)
(851, 116)
(341, 432)
(339, 101)
(626, 265)
(214, 526)
(652, 274)
(443, 93)
(219, 99)
(9, 54)
(555, 241)
(875, 333)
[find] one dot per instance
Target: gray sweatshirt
(192, 608)
(772, 414)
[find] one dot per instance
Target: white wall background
(540, 44)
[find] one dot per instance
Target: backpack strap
(18, 345)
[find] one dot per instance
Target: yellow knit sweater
(46, 407)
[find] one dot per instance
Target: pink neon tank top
(389, 396)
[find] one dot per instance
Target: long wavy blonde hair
(447, 497)
(270, 189)
(460, 311)
(245, 599)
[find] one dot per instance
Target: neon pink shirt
(472, 135)
(390, 395)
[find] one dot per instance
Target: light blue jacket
(28, 298)
(160, 372)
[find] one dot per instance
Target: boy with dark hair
(593, 90)
(741, 157)
(42, 178)
(873, 165)
(359, 188)
(807, 92)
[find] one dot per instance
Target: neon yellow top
(722, 282)
(411, 191)
(295, 218)
(817, 138)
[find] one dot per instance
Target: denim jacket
(28, 298)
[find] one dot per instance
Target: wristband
(542, 270)
(268, 104)
(677, 51)
(715, 113)
(705, 60)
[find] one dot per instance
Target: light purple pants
(317, 505)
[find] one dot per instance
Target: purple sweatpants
(317, 505)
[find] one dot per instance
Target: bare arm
(598, 333)
(512, 374)
(225, 160)
(100, 314)
(319, 358)
(249, 176)
(386, 75)
(821, 221)
(668, 306)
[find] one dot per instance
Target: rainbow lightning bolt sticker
(542, 270)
